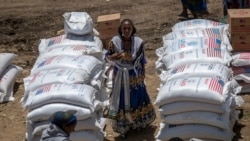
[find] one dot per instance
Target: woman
(130, 106)
(195, 6)
(62, 125)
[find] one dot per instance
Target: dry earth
(24, 22)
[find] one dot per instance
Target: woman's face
(126, 29)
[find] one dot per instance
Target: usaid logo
(192, 43)
(197, 22)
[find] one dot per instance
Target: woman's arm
(113, 55)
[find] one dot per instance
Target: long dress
(198, 6)
(130, 106)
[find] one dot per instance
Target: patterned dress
(130, 106)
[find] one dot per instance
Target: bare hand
(115, 56)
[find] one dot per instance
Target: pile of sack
(8, 74)
(241, 67)
(198, 95)
(67, 75)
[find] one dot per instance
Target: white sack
(198, 23)
(61, 75)
(241, 59)
(186, 106)
(75, 94)
(7, 82)
(219, 71)
(69, 40)
(193, 131)
(44, 112)
(5, 60)
(86, 62)
(79, 23)
(183, 44)
(208, 55)
(201, 89)
(73, 46)
(200, 117)
(84, 135)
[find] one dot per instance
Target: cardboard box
(241, 47)
(239, 29)
(108, 21)
(239, 20)
(239, 17)
(108, 33)
(240, 38)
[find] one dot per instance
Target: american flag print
(47, 61)
(244, 55)
(213, 32)
(43, 89)
(215, 23)
(34, 77)
(215, 85)
(181, 68)
(213, 52)
(55, 40)
(213, 42)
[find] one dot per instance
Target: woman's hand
(115, 56)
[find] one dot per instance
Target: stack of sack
(67, 75)
(241, 67)
(197, 96)
(8, 74)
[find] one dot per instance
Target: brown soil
(24, 22)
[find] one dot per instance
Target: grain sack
(84, 135)
(208, 55)
(71, 45)
(184, 44)
(187, 106)
(79, 23)
(69, 40)
(7, 82)
(88, 63)
(5, 60)
(61, 75)
(219, 71)
(187, 132)
(44, 112)
(198, 23)
(75, 94)
(200, 117)
(201, 89)
(45, 43)
(194, 33)
(74, 50)
(241, 59)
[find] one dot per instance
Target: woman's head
(65, 120)
(126, 28)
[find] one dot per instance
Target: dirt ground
(24, 22)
